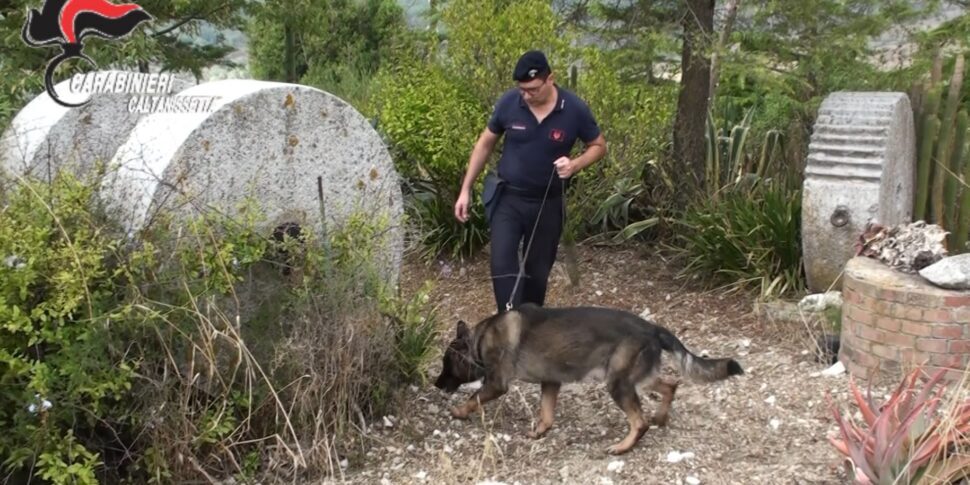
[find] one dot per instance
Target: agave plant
(914, 437)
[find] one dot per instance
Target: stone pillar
(860, 168)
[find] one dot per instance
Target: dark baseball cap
(531, 65)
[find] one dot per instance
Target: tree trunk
(731, 13)
(689, 147)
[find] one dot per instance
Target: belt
(530, 193)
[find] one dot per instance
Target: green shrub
(416, 327)
(433, 122)
(749, 235)
(611, 199)
(193, 347)
(60, 302)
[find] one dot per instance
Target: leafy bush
(180, 356)
(486, 38)
(749, 234)
(611, 198)
(433, 123)
(63, 377)
(912, 437)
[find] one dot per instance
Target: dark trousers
(511, 227)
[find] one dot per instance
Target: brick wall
(892, 319)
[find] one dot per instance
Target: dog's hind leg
(547, 409)
(667, 391)
(625, 395)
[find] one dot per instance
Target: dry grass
(271, 379)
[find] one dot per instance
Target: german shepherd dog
(551, 346)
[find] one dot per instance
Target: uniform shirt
(531, 147)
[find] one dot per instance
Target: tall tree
(730, 15)
(692, 103)
(317, 41)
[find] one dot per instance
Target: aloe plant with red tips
(916, 436)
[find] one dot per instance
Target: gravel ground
(767, 426)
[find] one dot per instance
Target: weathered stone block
(860, 169)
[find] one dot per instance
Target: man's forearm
(476, 163)
(590, 155)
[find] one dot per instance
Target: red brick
(946, 330)
(891, 366)
(864, 288)
(924, 300)
(937, 316)
(961, 315)
(960, 346)
(856, 343)
(934, 345)
(851, 296)
(914, 314)
(886, 352)
(913, 357)
(862, 345)
(883, 307)
(957, 301)
(956, 361)
(899, 311)
(900, 340)
(860, 315)
(866, 359)
(916, 328)
(888, 324)
(858, 371)
(872, 334)
(891, 295)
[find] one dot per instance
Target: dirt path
(768, 426)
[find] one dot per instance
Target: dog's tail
(696, 367)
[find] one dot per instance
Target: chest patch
(556, 134)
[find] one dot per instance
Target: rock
(837, 369)
(818, 302)
(778, 310)
(952, 273)
(677, 457)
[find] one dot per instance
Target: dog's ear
(462, 329)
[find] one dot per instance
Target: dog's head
(458, 366)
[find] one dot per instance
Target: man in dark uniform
(541, 122)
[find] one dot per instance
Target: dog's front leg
(482, 396)
(547, 409)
